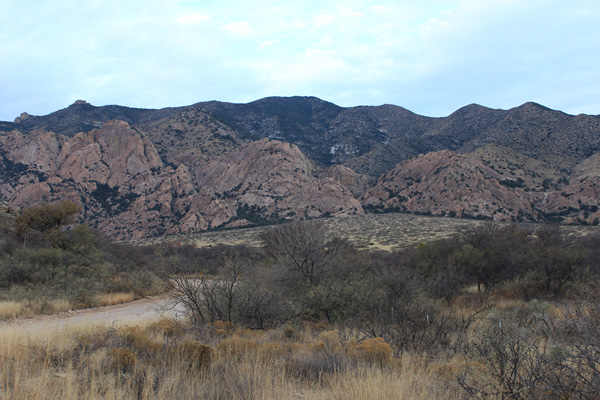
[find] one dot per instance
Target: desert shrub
(400, 312)
(512, 364)
(141, 282)
(223, 328)
(436, 263)
(167, 328)
(46, 222)
(99, 339)
(290, 333)
(417, 326)
(237, 296)
(122, 359)
(319, 326)
(523, 352)
(375, 351)
(303, 248)
(127, 257)
(314, 366)
(193, 354)
(264, 306)
(184, 258)
(576, 349)
(331, 341)
(235, 347)
(138, 340)
(491, 253)
(343, 290)
(66, 265)
(553, 260)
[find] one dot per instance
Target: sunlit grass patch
(110, 299)
(10, 309)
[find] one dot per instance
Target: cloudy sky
(430, 56)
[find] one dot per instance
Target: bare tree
(303, 247)
(209, 298)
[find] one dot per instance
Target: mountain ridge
(525, 163)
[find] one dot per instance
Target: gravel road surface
(122, 314)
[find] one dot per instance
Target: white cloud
(431, 57)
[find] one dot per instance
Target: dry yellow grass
(93, 362)
(10, 309)
(163, 359)
(111, 299)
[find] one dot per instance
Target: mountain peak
(530, 105)
(80, 102)
(472, 109)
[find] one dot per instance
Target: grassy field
(389, 231)
(165, 360)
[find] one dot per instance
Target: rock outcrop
(104, 171)
(124, 189)
(176, 170)
(6, 208)
(445, 183)
(270, 179)
(576, 203)
(22, 118)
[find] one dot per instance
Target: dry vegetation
(11, 309)
(373, 231)
(390, 231)
(46, 269)
(495, 312)
(167, 360)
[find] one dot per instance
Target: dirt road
(123, 314)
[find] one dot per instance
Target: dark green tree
(46, 221)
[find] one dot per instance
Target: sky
(429, 56)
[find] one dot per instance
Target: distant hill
(216, 164)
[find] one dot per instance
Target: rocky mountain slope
(142, 172)
(446, 183)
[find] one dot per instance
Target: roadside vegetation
(493, 311)
(46, 268)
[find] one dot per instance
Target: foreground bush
(43, 262)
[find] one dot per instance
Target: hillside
(138, 172)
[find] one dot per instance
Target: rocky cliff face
(124, 189)
(105, 171)
(270, 179)
(176, 170)
(578, 202)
